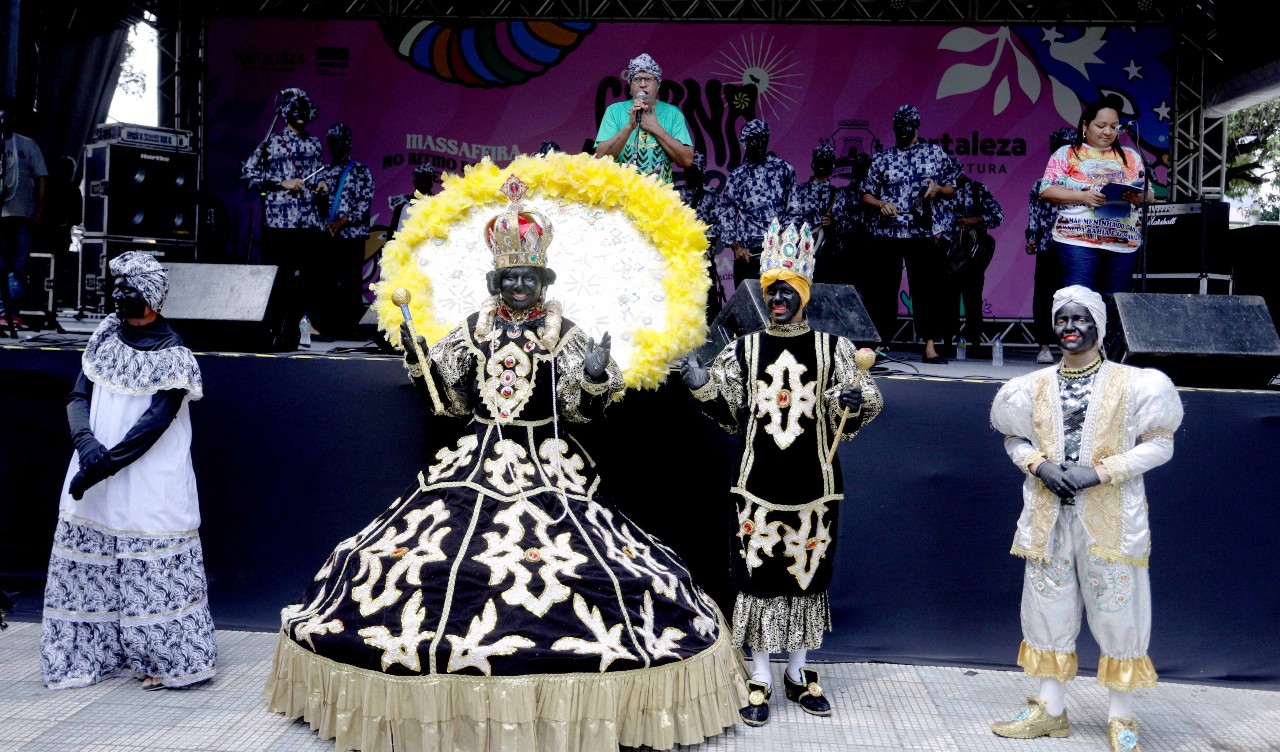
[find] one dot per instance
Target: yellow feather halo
(628, 254)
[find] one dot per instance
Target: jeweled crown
(517, 237)
(789, 249)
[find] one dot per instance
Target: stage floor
(878, 707)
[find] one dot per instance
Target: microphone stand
(1135, 138)
(262, 156)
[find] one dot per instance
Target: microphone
(640, 97)
(1126, 127)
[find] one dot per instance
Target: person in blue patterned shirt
(643, 131)
(1041, 215)
(974, 207)
(823, 206)
(333, 279)
(755, 193)
(905, 184)
(283, 169)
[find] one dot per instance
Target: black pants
(879, 281)
(1048, 280)
(286, 249)
(968, 284)
(332, 274)
(932, 293)
(744, 270)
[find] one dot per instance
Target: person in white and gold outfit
(791, 392)
(1085, 432)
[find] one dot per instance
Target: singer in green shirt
(645, 132)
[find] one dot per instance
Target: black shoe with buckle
(756, 713)
(807, 692)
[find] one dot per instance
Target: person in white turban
(126, 593)
(1085, 432)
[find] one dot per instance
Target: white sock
(760, 670)
(795, 662)
(1054, 696)
(1121, 704)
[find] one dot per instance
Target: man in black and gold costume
(791, 392)
(500, 603)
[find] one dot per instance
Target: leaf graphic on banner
(1028, 76)
(963, 78)
(1001, 99)
(1079, 53)
(1065, 101)
(964, 40)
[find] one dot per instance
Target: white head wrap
(1087, 298)
(144, 273)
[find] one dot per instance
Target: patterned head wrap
(142, 272)
(297, 102)
(907, 118)
(546, 147)
(699, 161)
(1062, 137)
(1087, 298)
(756, 127)
(340, 133)
(642, 63)
(825, 150)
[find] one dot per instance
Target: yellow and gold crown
(517, 237)
(791, 249)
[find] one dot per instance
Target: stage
(294, 453)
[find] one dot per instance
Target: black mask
(822, 168)
(128, 301)
(757, 149)
(784, 302)
(903, 136)
(1075, 328)
(520, 287)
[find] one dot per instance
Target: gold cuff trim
(1030, 460)
(1118, 468)
(1029, 554)
(1044, 664)
(1126, 674)
(706, 392)
(593, 388)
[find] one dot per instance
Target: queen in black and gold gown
(499, 603)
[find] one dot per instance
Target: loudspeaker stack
(141, 188)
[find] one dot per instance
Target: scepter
(863, 359)
(401, 297)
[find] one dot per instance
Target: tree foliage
(1253, 156)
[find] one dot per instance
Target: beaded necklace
(1080, 373)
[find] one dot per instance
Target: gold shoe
(1034, 721)
(1123, 733)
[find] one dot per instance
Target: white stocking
(795, 662)
(1121, 704)
(760, 670)
(1054, 696)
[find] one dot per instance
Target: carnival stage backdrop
(452, 94)
(294, 454)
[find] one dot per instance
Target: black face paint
(1075, 328)
(128, 301)
(520, 287)
(757, 149)
(784, 302)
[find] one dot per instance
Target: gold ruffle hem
(1126, 674)
(678, 703)
(1045, 664)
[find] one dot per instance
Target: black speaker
(228, 307)
(1226, 341)
(1188, 238)
(835, 309)
(140, 192)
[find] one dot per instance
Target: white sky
(144, 109)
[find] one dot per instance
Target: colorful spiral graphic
(487, 55)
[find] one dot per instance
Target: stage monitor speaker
(228, 307)
(835, 309)
(96, 252)
(140, 192)
(1226, 341)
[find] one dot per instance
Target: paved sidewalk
(878, 707)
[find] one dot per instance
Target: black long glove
(410, 354)
(1080, 478)
(92, 454)
(1052, 476)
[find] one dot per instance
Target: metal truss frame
(1198, 150)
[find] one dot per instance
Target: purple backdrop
(453, 94)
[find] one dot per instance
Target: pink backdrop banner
(454, 93)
